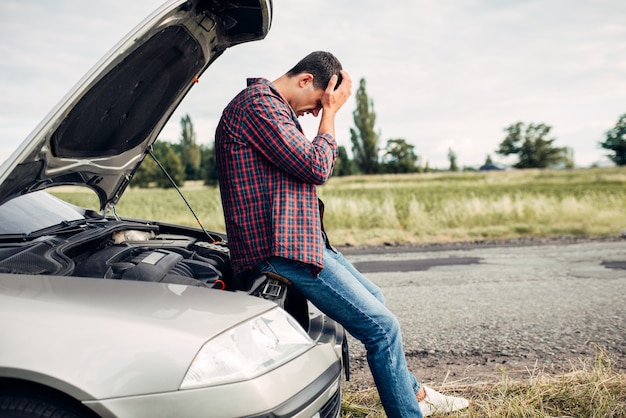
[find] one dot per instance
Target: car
(109, 316)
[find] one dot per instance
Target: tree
(146, 173)
(616, 142)
(400, 157)
(189, 150)
(568, 157)
(452, 159)
(532, 146)
(344, 166)
(364, 138)
(149, 171)
(209, 165)
(173, 165)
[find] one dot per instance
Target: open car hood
(98, 135)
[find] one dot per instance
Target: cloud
(442, 75)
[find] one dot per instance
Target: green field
(430, 207)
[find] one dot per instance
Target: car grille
(332, 407)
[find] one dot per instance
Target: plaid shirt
(268, 171)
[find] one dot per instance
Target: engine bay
(183, 261)
(124, 251)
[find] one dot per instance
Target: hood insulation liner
(125, 105)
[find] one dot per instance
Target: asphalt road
(474, 312)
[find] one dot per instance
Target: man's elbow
(320, 177)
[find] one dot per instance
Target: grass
(475, 206)
(591, 390)
(431, 207)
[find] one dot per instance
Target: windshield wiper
(61, 228)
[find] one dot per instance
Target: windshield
(35, 211)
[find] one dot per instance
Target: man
(268, 172)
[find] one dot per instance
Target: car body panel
(263, 397)
(152, 333)
(126, 326)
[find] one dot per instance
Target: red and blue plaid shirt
(268, 171)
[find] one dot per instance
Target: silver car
(112, 317)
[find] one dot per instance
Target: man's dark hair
(322, 65)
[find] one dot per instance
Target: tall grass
(474, 206)
(592, 389)
(159, 204)
(363, 210)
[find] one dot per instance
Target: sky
(441, 75)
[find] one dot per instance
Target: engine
(123, 262)
(125, 255)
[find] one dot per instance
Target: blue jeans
(345, 295)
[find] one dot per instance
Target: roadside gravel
(481, 311)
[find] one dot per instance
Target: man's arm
(272, 131)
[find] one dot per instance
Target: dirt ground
(442, 370)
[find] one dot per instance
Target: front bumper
(302, 388)
(324, 330)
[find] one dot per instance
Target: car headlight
(248, 350)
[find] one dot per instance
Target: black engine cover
(147, 264)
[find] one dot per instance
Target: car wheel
(29, 406)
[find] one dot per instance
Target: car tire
(30, 406)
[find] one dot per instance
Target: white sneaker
(438, 403)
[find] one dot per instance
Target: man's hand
(332, 100)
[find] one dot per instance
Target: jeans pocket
(265, 265)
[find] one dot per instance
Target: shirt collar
(266, 83)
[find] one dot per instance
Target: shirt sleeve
(275, 134)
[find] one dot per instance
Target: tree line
(185, 160)
(532, 143)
